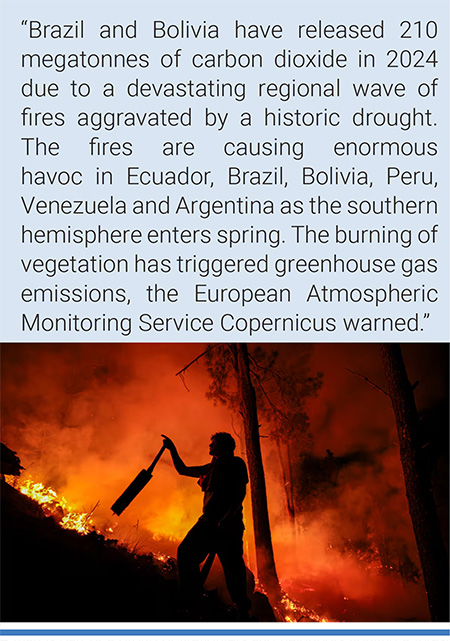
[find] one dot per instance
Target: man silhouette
(220, 528)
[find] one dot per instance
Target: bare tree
(265, 560)
(422, 507)
(228, 365)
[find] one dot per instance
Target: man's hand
(168, 443)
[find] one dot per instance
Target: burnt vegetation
(58, 575)
(51, 574)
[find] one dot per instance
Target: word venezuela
(166, 205)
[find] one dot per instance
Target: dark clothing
(220, 529)
(202, 539)
(223, 481)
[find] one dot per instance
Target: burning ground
(86, 419)
(55, 574)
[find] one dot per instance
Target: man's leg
(192, 551)
(230, 551)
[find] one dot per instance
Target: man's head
(221, 443)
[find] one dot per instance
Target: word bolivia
(335, 176)
(184, 29)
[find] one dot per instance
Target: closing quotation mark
(425, 316)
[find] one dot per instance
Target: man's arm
(195, 471)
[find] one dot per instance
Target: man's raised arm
(195, 471)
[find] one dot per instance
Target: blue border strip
(243, 632)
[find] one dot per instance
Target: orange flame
(54, 505)
(68, 518)
(294, 612)
(290, 610)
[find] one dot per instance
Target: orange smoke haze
(86, 419)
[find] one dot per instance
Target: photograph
(224, 482)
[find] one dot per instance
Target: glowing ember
(54, 505)
(159, 537)
(292, 611)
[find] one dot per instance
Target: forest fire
(68, 518)
(295, 612)
(89, 417)
(54, 505)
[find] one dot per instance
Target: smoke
(87, 418)
(354, 556)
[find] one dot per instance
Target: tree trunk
(265, 561)
(291, 482)
(422, 508)
(285, 482)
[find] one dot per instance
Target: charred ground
(52, 574)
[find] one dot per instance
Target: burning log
(136, 486)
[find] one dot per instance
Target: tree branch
(380, 389)
(181, 372)
(272, 371)
(186, 367)
(269, 400)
